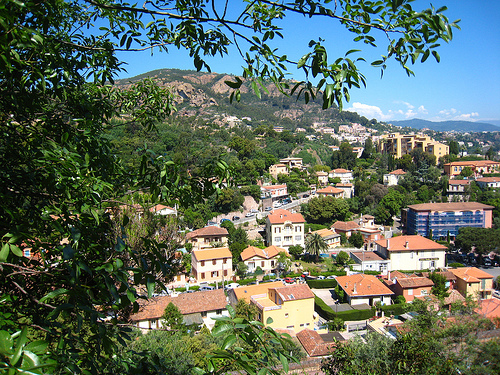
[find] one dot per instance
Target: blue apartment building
(445, 218)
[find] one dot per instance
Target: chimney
(354, 291)
(407, 244)
(388, 244)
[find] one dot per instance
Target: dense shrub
(322, 284)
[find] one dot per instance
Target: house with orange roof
(198, 307)
(284, 229)
(274, 191)
(331, 238)
(348, 189)
(369, 261)
(346, 227)
(160, 209)
(393, 178)
(472, 281)
(203, 238)
(330, 191)
(290, 307)
(266, 258)
(478, 167)
(322, 177)
(344, 175)
(364, 289)
(411, 253)
(412, 287)
(210, 265)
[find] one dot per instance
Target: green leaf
(228, 342)
(53, 294)
(220, 329)
(4, 253)
(16, 250)
(284, 362)
(37, 347)
(68, 252)
(6, 343)
(436, 56)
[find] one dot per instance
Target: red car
(289, 280)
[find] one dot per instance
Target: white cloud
(369, 111)
(422, 109)
(453, 114)
(408, 105)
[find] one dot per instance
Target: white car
(249, 214)
(231, 286)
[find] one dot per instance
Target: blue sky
(465, 85)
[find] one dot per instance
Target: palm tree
(315, 244)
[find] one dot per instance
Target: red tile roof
(340, 170)
(294, 292)
(366, 256)
(488, 179)
(470, 274)
(208, 231)
(188, 303)
(272, 187)
(267, 253)
(280, 216)
(414, 282)
(329, 190)
(314, 344)
(398, 172)
(345, 225)
(459, 182)
(489, 308)
(360, 285)
(409, 243)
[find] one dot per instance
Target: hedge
(326, 312)
(322, 284)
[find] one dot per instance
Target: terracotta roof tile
(488, 179)
(414, 282)
(314, 345)
(366, 256)
(470, 274)
(188, 303)
(267, 253)
(340, 170)
(246, 292)
(329, 190)
(272, 187)
(459, 182)
(212, 253)
(280, 216)
(489, 308)
(409, 243)
(474, 163)
(345, 225)
(208, 231)
(398, 172)
(365, 285)
(294, 292)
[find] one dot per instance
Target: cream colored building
(393, 178)
(331, 238)
(322, 177)
(210, 265)
(398, 145)
(472, 281)
(292, 163)
(410, 253)
(276, 169)
(266, 258)
(364, 289)
(284, 229)
(203, 238)
(345, 175)
(290, 307)
(330, 191)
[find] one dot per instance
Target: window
(203, 263)
(483, 284)
(277, 239)
(262, 264)
(277, 230)
(272, 263)
(203, 314)
(410, 292)
(288, 238)
(289, 327)
(298, 238)
(225, 260)
(214, 262)
(286, 315)
(203, 275)
(218, 312)
(225, 272)
(215, 273)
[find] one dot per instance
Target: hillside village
(332, 229)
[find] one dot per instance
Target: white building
(344, 175)
(285, 229)
(393, 178)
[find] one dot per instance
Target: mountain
(446, 126)
(204, 98)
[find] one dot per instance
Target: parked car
(305, 196)
(253, 210)
(289, 280)
(223, 220)
(321, 277)
(268, 208)
(208, 287)
(231, 286)
(236, 218)
(496, 294)
(249, 214)
(331, 277)
(487, 263)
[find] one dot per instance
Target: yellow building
(289, 306)
(398, 145)
(472, 281)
